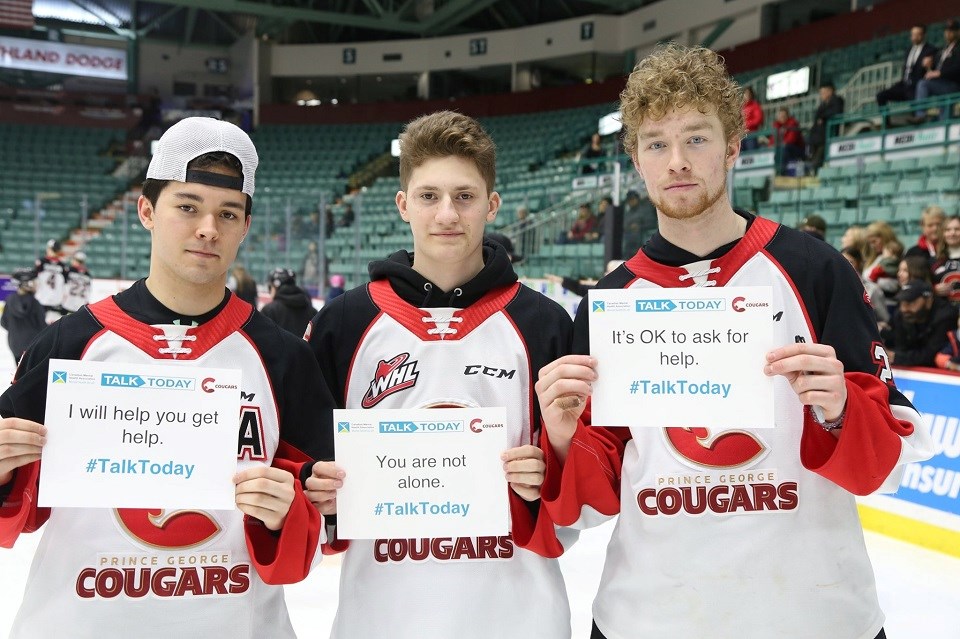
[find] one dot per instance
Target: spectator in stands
(310, 271)
(815, 225)
(77, 289)
(347, 218)
(913, 68)
(854, 237)
(524, 230)
(877, 235)
(579, 286)
(931, 235)
(583, 227)
(947, 274)
(752, 119)
(310, 227)
(592, 150)
(291, 307)
(949, 356)
(603, 208)
(877, 298)
(330, 224)
(507, 245)
(243, 284)
(830, 105)
(884, 274)
(639, 222)
(336, 289)
(919, 326)
(914, 267)
(788, 140)
(23, 316)
(944, 75)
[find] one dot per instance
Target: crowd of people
(744, 516)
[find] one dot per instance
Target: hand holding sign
(21, 442)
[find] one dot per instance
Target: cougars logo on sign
(391, 377)
(699, 448)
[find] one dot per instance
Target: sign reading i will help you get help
(140, 436)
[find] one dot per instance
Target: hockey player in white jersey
(443, 314)
(151, 572)
(77, 288)
(744, 533)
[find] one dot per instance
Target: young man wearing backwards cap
(103, 572)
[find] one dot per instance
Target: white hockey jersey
(101, 572)
(386, 346)
(747, 533)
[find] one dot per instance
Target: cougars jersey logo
(175, 529)
(699, 448)
(391, 377)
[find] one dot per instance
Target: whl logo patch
(391, 377)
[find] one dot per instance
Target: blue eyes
(697, 139)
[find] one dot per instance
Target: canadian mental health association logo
(59, 377)
(343, 427)
(599, 306)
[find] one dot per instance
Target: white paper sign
(687, 357)
(421, 473)
(140, 436)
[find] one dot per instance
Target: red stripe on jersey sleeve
(870, 442)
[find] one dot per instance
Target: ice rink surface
(919, 589)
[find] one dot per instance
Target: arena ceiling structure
(221, 22)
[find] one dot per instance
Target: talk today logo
(410, 427)
(681, 306)
(125, 380)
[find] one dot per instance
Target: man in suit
(944, 74)
(913, 68)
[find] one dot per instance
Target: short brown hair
(443, 134)
(677, 77)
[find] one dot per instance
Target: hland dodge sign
(66, 59)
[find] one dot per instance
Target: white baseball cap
(192, 137)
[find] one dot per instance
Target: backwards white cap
(192, 137)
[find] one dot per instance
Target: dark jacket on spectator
(291, 308)
(23, 318)
(918, 344)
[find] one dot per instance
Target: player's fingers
(522, 452)
(268, 473)
(526, 479)
(800, 348)
(325, 484)
(327, 469)
(805, 363)
(575, 360)
(12, 463)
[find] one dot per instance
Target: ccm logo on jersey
(391, 377)
(489, 371)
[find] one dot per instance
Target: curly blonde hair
(443, 134)
(677, 77)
